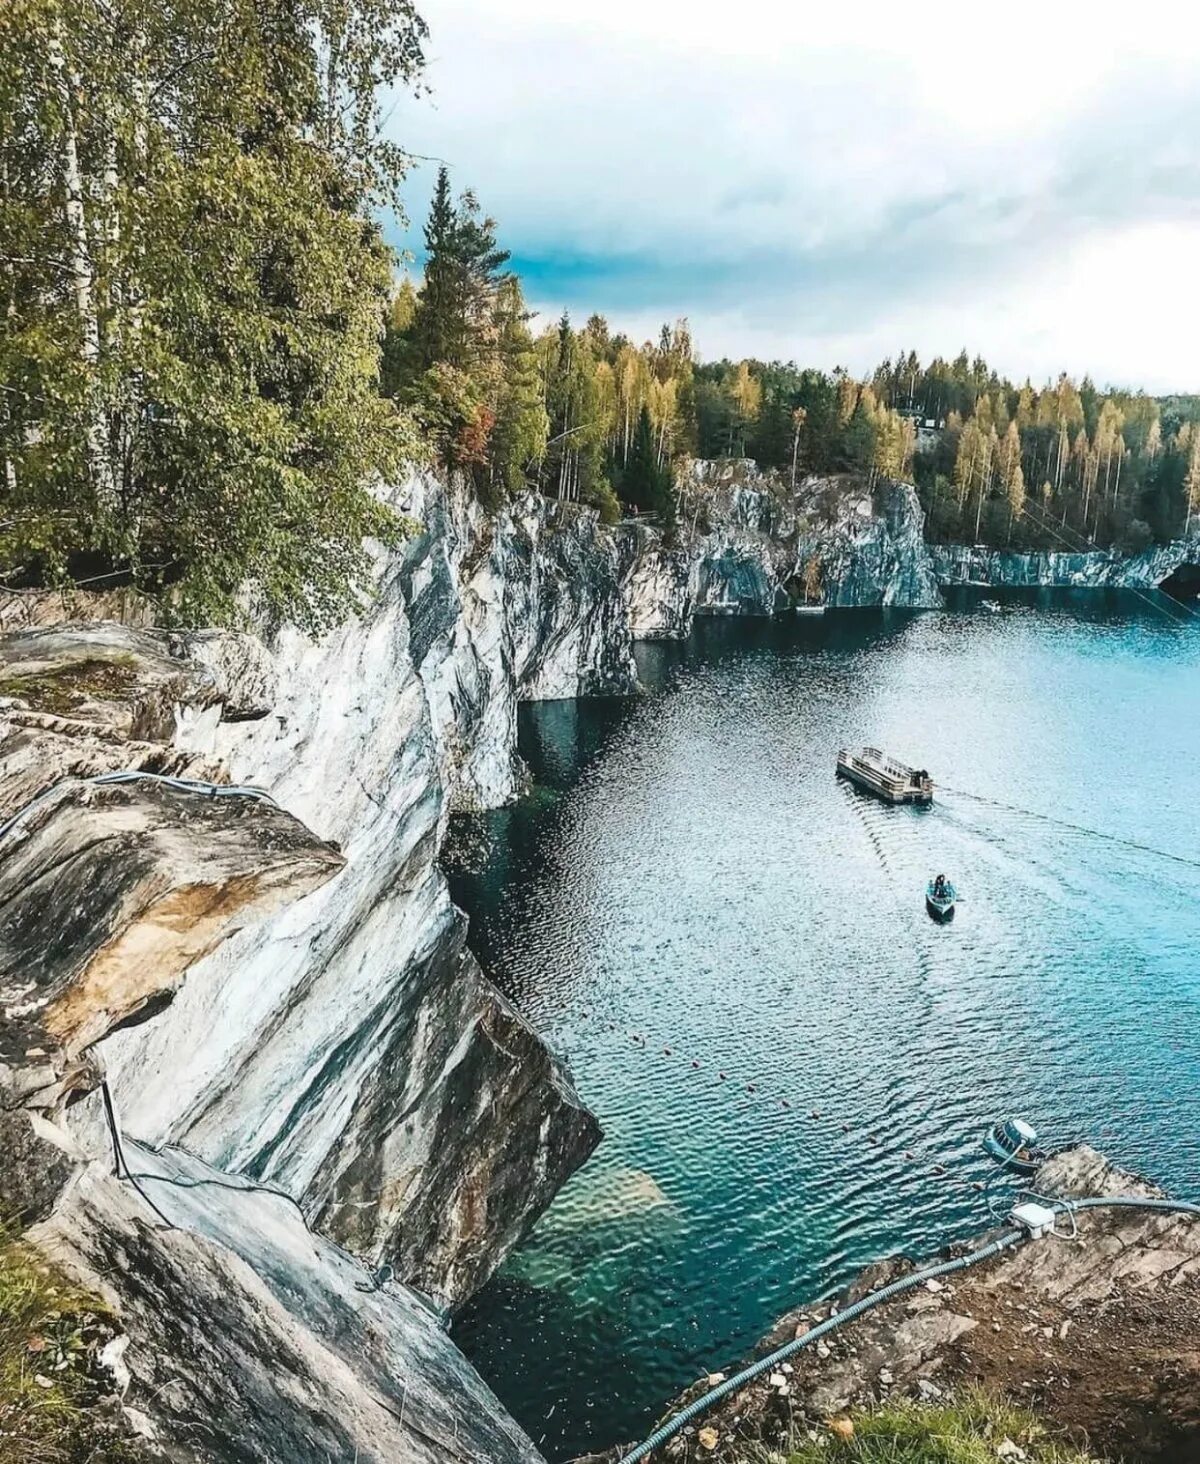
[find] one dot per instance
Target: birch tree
(194, 294)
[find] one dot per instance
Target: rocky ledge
(748, 543)
(1095, 1331)
(959, 564)
(323, 1102)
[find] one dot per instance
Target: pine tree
(438, 323)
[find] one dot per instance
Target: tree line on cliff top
(589, 415)
(207, 361)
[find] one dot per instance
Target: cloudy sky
(833, 182)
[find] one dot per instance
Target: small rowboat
(940, 902)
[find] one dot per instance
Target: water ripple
(687, 875)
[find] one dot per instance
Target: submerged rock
(280, 994)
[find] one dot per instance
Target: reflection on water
(724, 942)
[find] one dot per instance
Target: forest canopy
(209, 360)
(588, 415)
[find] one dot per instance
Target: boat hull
(880, 789)
(939, 909)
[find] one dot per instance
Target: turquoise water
(687, 874)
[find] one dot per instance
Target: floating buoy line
(740, 1086)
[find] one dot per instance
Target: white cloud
(832, 183)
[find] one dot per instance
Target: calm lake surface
(686, 874)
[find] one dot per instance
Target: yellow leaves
(746, 391)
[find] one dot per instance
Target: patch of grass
(65, 691)
(50, 1378)
(973, 1429)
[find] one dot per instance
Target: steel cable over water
(867, 1303)
(1089, 547)
(1072, 827)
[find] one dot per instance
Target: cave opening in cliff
(1183, 583)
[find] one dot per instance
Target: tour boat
(940, 903)
(893, 781)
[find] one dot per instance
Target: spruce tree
(435, 328)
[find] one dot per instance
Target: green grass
(968, 1430)
(50, 1335)
(68, 689)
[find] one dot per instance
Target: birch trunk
(10, 468)
(135, 301)
(99, 445)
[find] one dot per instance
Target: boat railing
(893, 779)
(878, 765)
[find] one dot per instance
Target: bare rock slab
(109, 893)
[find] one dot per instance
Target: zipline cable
(1090, 548)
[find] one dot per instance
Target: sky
(833, 183)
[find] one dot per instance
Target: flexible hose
(1132, 1202)
(189, 785)
(867, 1303)
(789, 1349)
(180, 785)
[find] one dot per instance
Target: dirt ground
(1124, 1380)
